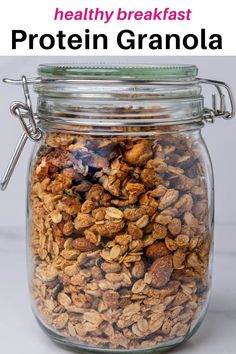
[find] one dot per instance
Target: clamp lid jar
(120, 204)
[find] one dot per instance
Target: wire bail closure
(24, 111)
(210, 114)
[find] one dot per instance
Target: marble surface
(20, 333)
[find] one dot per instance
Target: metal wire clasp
(24, 112)
(210, 114)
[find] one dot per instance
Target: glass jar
(120, 205)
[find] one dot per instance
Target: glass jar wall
(120, 215)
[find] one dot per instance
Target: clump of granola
(120, 238)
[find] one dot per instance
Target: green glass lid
(118, 72)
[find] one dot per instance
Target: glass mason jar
(120, 205)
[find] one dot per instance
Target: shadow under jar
(120, 208)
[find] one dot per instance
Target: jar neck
(118, 106)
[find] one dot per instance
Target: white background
(220, 137)
(37, 17)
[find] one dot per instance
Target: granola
(120, 238)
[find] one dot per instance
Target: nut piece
(161, 271)
(133, 214)
(83, 245)
(109, 230)
(157, 250)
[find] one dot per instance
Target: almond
(109, 230)
(161, 271)
(83, 245)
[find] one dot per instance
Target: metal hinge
(210, 114)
